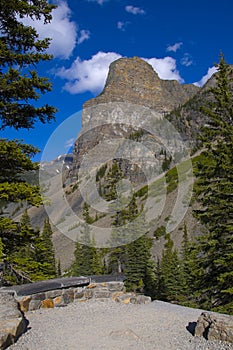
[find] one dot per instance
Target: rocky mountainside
(127, 122)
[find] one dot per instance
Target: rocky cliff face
(134, 98)
(134, 80)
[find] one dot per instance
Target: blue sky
(181, 39)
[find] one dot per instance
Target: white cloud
(206, 77)
(134, 10)
(175, 47)
(61, 30)
(88, 75)
(83, 35)
(122, 25)
(187, 60)
(100, 2)
(165, 67)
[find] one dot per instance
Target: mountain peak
(134, 80)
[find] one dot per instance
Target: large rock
(12, 320)
(134, 80)
(132, 89)
(215, 327)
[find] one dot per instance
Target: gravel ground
(108, 325)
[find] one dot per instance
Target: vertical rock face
(134, 80)
(132, 88)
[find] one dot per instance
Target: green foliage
(134, 258)
(88, 219)
(137, 135)
(26, 252)
(44, 251)
(101, 172)
(114, 175)
(14, 161)
(142, 192)
(1, 250)
(20, 52)
(214, 172)
(59, 273)
(171, 179)
(168, 274)
(166, 162)
(20, 85)
(139, 269)
(87, 257)
(160, 232)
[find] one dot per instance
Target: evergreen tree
(118, 239)
(45, 252)
(170, 274)
(114, 175)
(86, 215)
(25, 219)
(32, 253)
(139, 268)
(97, 264)
(21, 250)
(186, 268)
(87, 257)
(14, 162)
(20, 86)
(160, 288)
(214, 192)
(1, 250)
(21, 51)
(188, 271)
(59, 273)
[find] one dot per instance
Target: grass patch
(142, 192)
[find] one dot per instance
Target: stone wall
(61, 297)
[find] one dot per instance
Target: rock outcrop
(12, 321)
(215, 327)
(133, 90)
(134, 80)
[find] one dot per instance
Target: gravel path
(108, 325)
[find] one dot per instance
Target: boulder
(12, 320)
(34, 305)
(140, 299)
(24, 303)
(79, 293)
(124, 298)
(215, 327)
(53, 294)
(101, 293)
(115, 286)
(47, 304)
